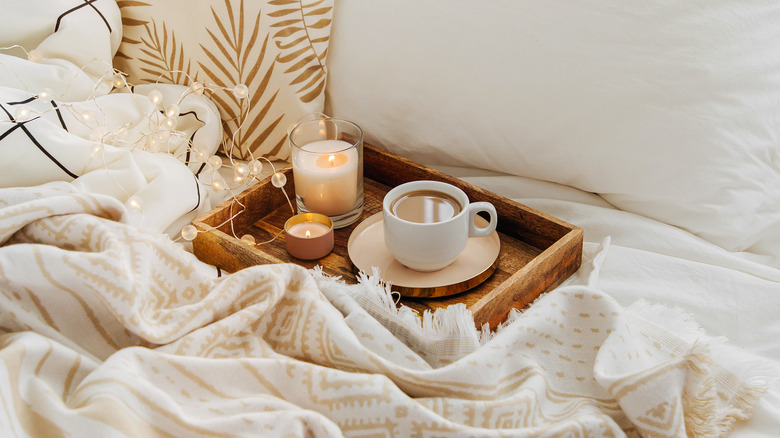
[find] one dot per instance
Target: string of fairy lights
(158, 135)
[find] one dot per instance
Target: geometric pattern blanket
(108, 330)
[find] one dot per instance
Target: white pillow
(670, 109)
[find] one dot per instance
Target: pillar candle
(326, 176)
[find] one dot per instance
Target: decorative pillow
(276, 48)
(669, 109)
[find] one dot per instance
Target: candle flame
(331, 160)
(308, 234)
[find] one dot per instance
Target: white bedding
(726, 293)
(107, 327)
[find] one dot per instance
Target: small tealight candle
(309, 236)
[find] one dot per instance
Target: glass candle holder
(327, 162)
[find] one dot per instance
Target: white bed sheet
(728, 294)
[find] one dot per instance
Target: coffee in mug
(427, 223)
(425, 206)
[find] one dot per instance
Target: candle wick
(308, 234)
(331, 160)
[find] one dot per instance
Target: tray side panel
(530, 225)
(542, 274)
(227, 253)
(255, 202)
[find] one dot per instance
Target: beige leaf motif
(128, 22)
(302, 30)
(233, 57)
(165, 57)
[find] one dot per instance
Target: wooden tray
(538, 251)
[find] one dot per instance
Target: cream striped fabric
(106, 330)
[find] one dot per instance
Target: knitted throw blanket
(107, 330)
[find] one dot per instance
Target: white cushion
(667, 109)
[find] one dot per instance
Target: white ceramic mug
(433, 245)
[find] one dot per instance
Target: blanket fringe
(451, 322)
(439, 337)
(723, 383)
(703, 417)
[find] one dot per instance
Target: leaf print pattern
(301, 30)
(242, 67)
(165, 61)
(127, 24)
(277, 48)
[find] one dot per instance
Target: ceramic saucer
(366, 248)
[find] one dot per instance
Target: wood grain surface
(538, 251)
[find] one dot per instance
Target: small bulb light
(248, 239)
(170, 122)
(22, 114)
(189, 232)
(279, 180)
(218, 184)
(215, 162)
(34, 56)
(118, 81)
(172, 110)
(255, 167)
(45, 94)
(241, 169)
(134, 204)
(198, 88)
(155, 97)
(88, 116)
(162, 136)
(95, 149)
(241, 91)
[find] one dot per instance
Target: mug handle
(476, 207)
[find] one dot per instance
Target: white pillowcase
(667, 109)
